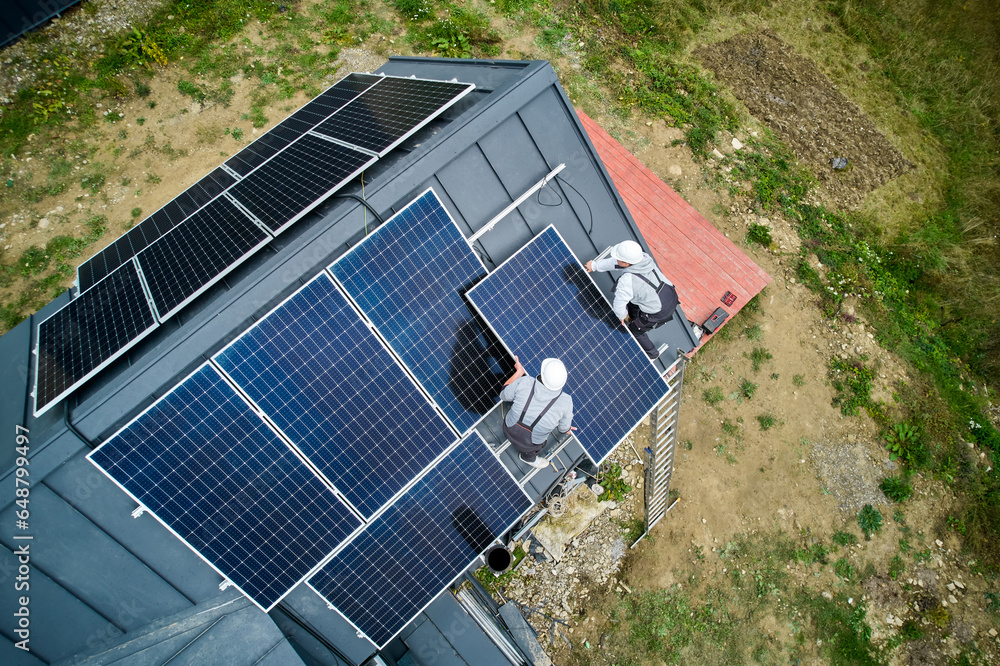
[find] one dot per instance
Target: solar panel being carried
(209, 468)
(321, 375)
(88, 333)
(541, 303)
(408, 277)
(393, 570)
(193, 255)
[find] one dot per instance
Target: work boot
(537, 463)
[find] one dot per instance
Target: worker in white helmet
(644, 297)
(538, 407)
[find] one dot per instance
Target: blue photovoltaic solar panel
(320, 374)
(90, 332)
(409, 554)
(212, 471)
(541, 303)
(408, 277)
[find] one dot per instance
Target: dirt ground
(788, 92)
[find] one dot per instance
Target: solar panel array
(408, 277)
(275, 181)
(144, 234)
(402, 560)
(319, 109)
(287, 186)
(541, 303)
(337, 394)
(191, 256)
(217, 476)
(78, 340)
(388, 113)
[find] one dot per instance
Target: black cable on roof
(363, 202)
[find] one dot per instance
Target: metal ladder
(663, 442)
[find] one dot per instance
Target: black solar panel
(209, 468)
(300, 122)
(89, 332)
(295, 180)
(390, 111)
(153, 227)
(196, 253)
(404, 558)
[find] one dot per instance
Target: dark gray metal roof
(97, 572)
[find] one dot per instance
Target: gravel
(849, 473)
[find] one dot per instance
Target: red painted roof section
(698, 258)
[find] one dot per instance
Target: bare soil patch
(790, 94)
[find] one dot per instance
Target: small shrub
(136, 212)
(845, 569)
(896, 488)
(844, 539)
(687, 444)
(766, 421)
(815, 553)
(896, 566)
(237, 134)
(799, 380)
(869, 520)
(911, 631)
(730, 428)
(713, 396)
(615, 488)
(754, 332)
(191, 90)
(747, 389)
(33, 261)
(759, 234)
(758, 357)
(153, 179)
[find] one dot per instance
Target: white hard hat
(627, 251)
(553, 374)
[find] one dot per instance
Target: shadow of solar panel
(320, 374)
(295, 180)
(541, 303)
(419, 545)
(408, 277)
(152, 228)
(89, 332)
(208, 467)
(195, 254)
(300, 122)
(390, 111)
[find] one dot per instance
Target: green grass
(753, 332)
(758, 356)
(870, 521)
(845, 539)
(747, 388)
(896, 488)
(760, 235)
(767, 421)
(713, 396)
